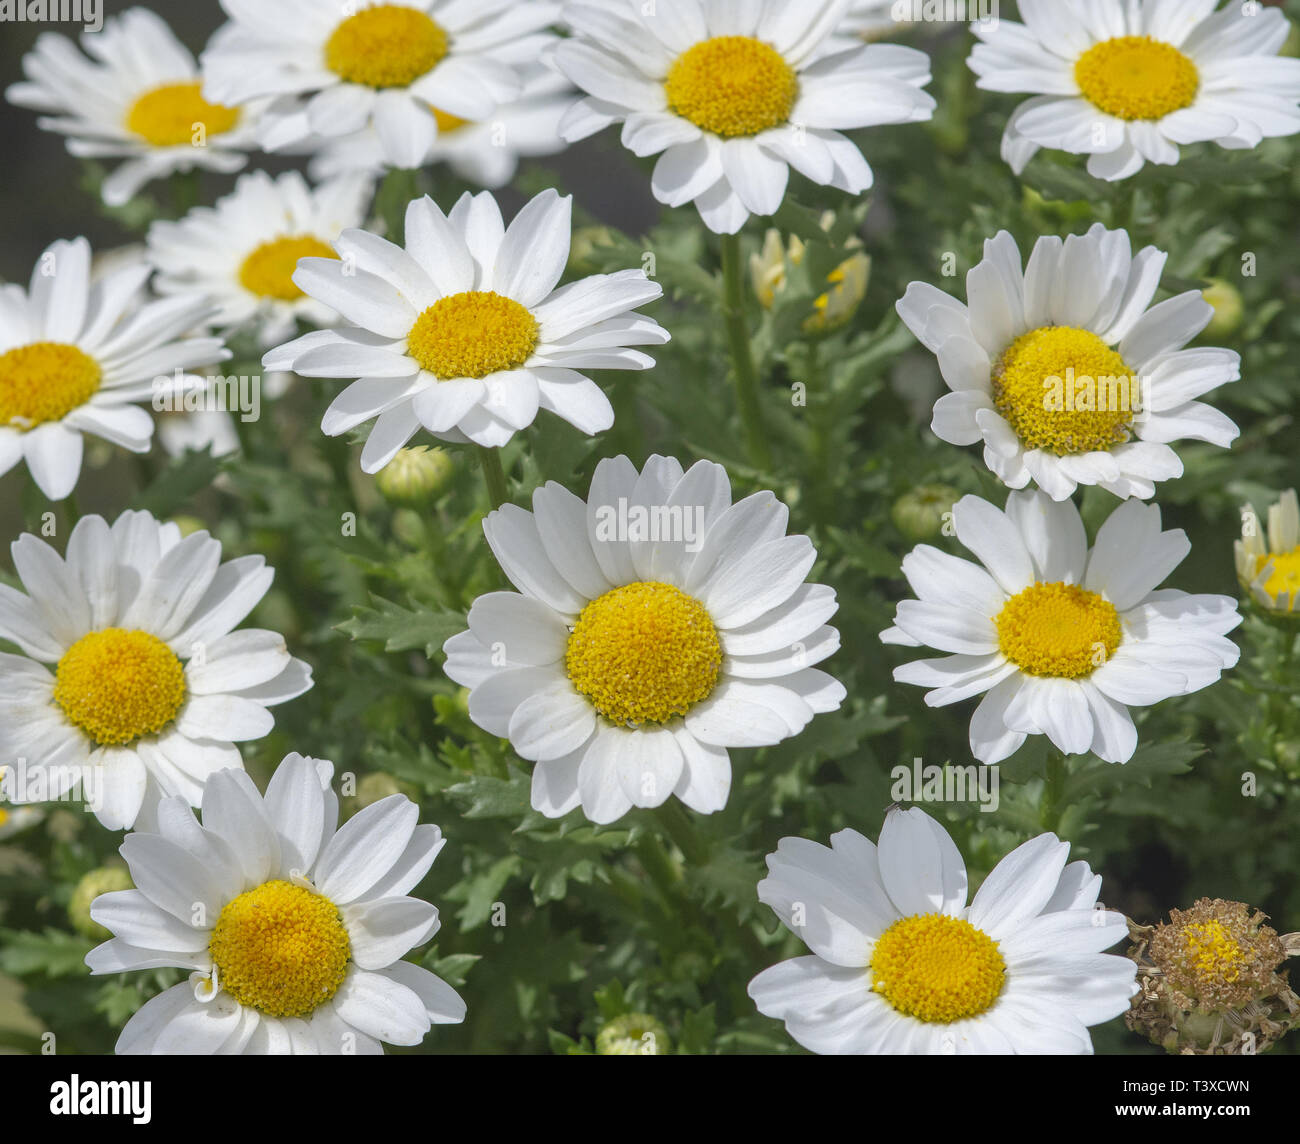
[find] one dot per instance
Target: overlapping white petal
(1245, 92)
(138, 575)
(1092, 282)
(132, 342)
(89, 101)
(734, 559)
(279, 53)
(1042, 914)
(382, 289)
(186, 874)
(621, 57)
(1171, 642)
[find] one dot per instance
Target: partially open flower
(847, 283)
(1269, 565)
(1210, 985)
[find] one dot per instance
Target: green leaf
(403, 629)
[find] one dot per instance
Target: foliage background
(659, 912)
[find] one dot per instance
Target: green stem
(742, 352)
(494, 476)
(678, 826)
(400, 186)
(1051, 810)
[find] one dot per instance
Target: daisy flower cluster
(572, 363)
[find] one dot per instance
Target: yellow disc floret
(388, 45)
(1066, 391)
(268, 270)
(44, 381)
(1283, 574)
(472, 334)
(937, 968)
(118, 685)
(1058, 629)
(176, 114)
(644, 653)
(732, 85)
(281, 949)
(1136, 77)
(1210, 950)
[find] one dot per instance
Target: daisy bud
(1228, 309)
(633, 1034)
(1209, 981)
(415, 475)
(377, 785)
(848, 281)
(919, 514)
(102, 880)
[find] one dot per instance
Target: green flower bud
(919, 515)
(377, 785)
(1228, 308)
(103, 880)
(415, 475)
(633, 1034)
(188, 524)
(583, 246)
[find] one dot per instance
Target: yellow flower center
(385, 46)
(176, 113)
(1284, 576)
(44, 381)
(1136, 77)
(936, 968)
(1058, 629)
(447, 123)
(644, 653)
(280, 949)
(4, 816)
(732, 85)
(472, 334)
(118, 685)
(1211, 951)
(1065, 390)
(268, 271)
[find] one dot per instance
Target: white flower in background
(337, 68)
(734, 95)
(1269, 566)
(294, 931)
(902, 965)
(464, 331)
(132, 680)
(1060, 639)
(1126, 81)
(656, 625)
(76, 354)
(1065, 371)
(484, 152)
(243, 251)
(137, 99)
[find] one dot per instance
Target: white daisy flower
(1126, 81)
(656, 625)
(464, 331)
(1268, 565)
(385, 65)
(243, 251)
(294, 930)
(734, 95)
(1060, 639)
(137, 99)
(1065, 371)
(902, 965)
(484, 152)
(133, 681)
(75, 354)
